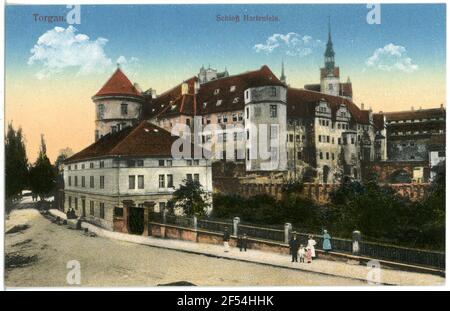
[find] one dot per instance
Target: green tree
(16, 163)
(42, 173)
(191, 197)
(63, 155)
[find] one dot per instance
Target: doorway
(83, 207)
(136, 220)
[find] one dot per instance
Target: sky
(53, 68)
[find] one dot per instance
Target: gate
(136, 220)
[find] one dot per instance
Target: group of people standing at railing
(298, 251)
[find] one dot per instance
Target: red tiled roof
(415, 114)
(173, 102)
(118, 84)
(144, 139)
(346, 88)
(302, 103)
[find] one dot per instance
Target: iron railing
(373, 250)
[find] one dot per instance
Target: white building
(128, 172)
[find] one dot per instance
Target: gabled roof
(118, 84)
(173, 102)
(302, 103)
(144, 139)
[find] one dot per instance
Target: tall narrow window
(162, 183)
(91, 181)
(91, 208)
(102, 182)
(83, 181)
(124, 109)
(141, 182)
(170, 181)
(273, 91)
(273, 111)
(101, 111)
(102, 210)
(197, 177)
(131, 182)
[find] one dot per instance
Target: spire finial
(282, 77)
(329, 28)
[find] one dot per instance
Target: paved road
(106, 262)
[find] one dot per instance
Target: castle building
(129, 170)
(412, 134)
(321, 134)
(253, 119)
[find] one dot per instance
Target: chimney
(442, 106)
(184, 88)
(412, 108)
(196, 87)
(362, 106)
(136, 85)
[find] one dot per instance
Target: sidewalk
(327, 267)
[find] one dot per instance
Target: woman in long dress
(326, 246)
(311, 245)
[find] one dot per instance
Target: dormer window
(216, 91)
(205, 104)
(235, 100)
(233, 88)
(219, 102)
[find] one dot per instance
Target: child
(308, 254)
(301, 253)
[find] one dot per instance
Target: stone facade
(96, 189)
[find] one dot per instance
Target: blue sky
(170, 36)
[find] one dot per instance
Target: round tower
(265, 125)
(118, 104)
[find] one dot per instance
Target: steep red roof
(144, 139)
(118, 84)
(301, 103)
(173, 102)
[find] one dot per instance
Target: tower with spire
(329, 74)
